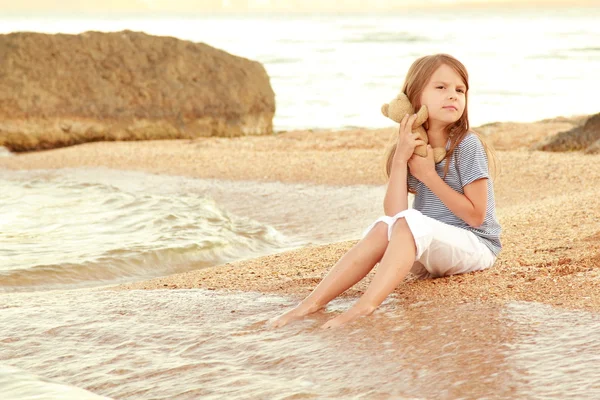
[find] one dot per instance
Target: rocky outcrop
(60, 90)
(594, 148)
(585, 137)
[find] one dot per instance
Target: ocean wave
(58, 232)
(18, 384)
(126, 265)
(586, 49)
(548, 56)
(387, 37)
(280, 60)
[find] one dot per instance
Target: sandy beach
(548, 205)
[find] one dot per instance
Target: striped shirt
(468, 164)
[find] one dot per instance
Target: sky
(256, 5)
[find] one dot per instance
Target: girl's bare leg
(393, 268)
(351, 268)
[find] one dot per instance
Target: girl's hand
(407, 140)
(422, 167)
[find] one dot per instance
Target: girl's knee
(377, 237)
(400, 225)
(385, 226)
(401, 232)
(400, 228)
(378, 232)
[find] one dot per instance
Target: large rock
(59, 90)
(594, 148)
(583, 137)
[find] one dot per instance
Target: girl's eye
(439, 87)
(461, 91)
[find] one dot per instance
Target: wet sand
(548, 205)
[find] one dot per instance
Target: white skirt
(442, 249)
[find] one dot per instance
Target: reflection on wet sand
(190, 343)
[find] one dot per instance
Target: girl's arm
(396, 195)
(470, 207)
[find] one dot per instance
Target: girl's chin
(446, 121)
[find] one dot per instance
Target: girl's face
(445, 96)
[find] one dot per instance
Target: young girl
(452, 227)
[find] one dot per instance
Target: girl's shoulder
(470, 141)
(470, 138)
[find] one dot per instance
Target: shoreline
(548, 205)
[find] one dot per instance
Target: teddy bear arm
(421, 150)
(439, 153)
(385, 109)
(422, 116)
(422, 134)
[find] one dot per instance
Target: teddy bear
(398, 108)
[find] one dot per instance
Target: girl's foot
(346, 317)
(294, 314)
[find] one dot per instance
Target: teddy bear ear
(384, 109)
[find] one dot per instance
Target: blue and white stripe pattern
(468, 164)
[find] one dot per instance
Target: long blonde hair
(417, 78)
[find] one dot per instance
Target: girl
(452, 227)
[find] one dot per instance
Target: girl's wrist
(429, 177)
(399, 161)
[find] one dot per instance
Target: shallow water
(89, 227)
(17, 384)
(57, 231)
(188, 344)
